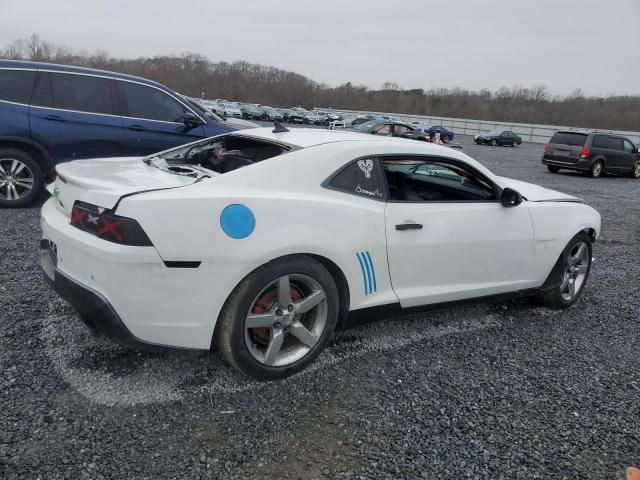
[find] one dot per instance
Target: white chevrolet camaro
(259, 242)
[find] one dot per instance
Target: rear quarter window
(600, 141)
(361, 177)
(16, 85)
(569, 138)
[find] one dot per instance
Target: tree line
(194, 74)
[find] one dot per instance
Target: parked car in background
(393, 129)
(594, 153)
(251, 111)
(284, 112)
(297, 115)
(232, 110)
(272, 114)
(53, 113)
(445, 135)
(215, 107)
(312, 118)
(269, 306)
(348, 122)
(498, 137)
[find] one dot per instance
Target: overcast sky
(563, 44)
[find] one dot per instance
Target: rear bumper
(127, 292)
(581, 165)
(94, 309)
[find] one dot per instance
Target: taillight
(546, 148)
(586, 151)
(104, 224)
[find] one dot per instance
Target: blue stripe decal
(366, 266)
(373, 272)
(364, 275)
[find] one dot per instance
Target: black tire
(229, 336)
(35, 173)
(494, 143)
(553, 169)
(597, 169)
(635, 171)
(552, 297)
(446, 139)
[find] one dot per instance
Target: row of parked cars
(255, 111)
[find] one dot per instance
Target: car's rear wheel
(494, 143)
(279, 318)
(20, 178)
(635, 172)
(553, 169)
(571, 273)
(596, 169)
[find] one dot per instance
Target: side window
(504, 134)
(400, 129)
(600, 141)
(414, 180)
(140, 101)
(383, 129)
(615, 143)
(16, 85)
(80, 93)
(361, 177)
(628, 146)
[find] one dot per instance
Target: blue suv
(53, 113)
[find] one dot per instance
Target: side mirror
(510, 198)
(191, 119)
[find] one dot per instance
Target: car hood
(536, 193)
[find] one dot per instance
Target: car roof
(309, 137)
(81, 70)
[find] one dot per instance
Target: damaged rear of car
(105, 227)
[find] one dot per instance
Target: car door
(74, 116)
(505, 138)
(153, 119)
(616, 156)
(449, 237)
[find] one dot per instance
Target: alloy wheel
(16, 179)
(596, 170)
(576, 269)
(286, 320)
(636, 170)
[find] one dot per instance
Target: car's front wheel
(494, 143)
(571, 273)
(20, 178)
(279, 318)
(635, 172)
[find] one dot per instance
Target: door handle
(55, 118)
(409, 226)
(137, 128)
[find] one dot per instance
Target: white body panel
(464, 250)
(426, 264)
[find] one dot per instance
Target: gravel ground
(507, 390)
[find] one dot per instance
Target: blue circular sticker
(237, 221)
